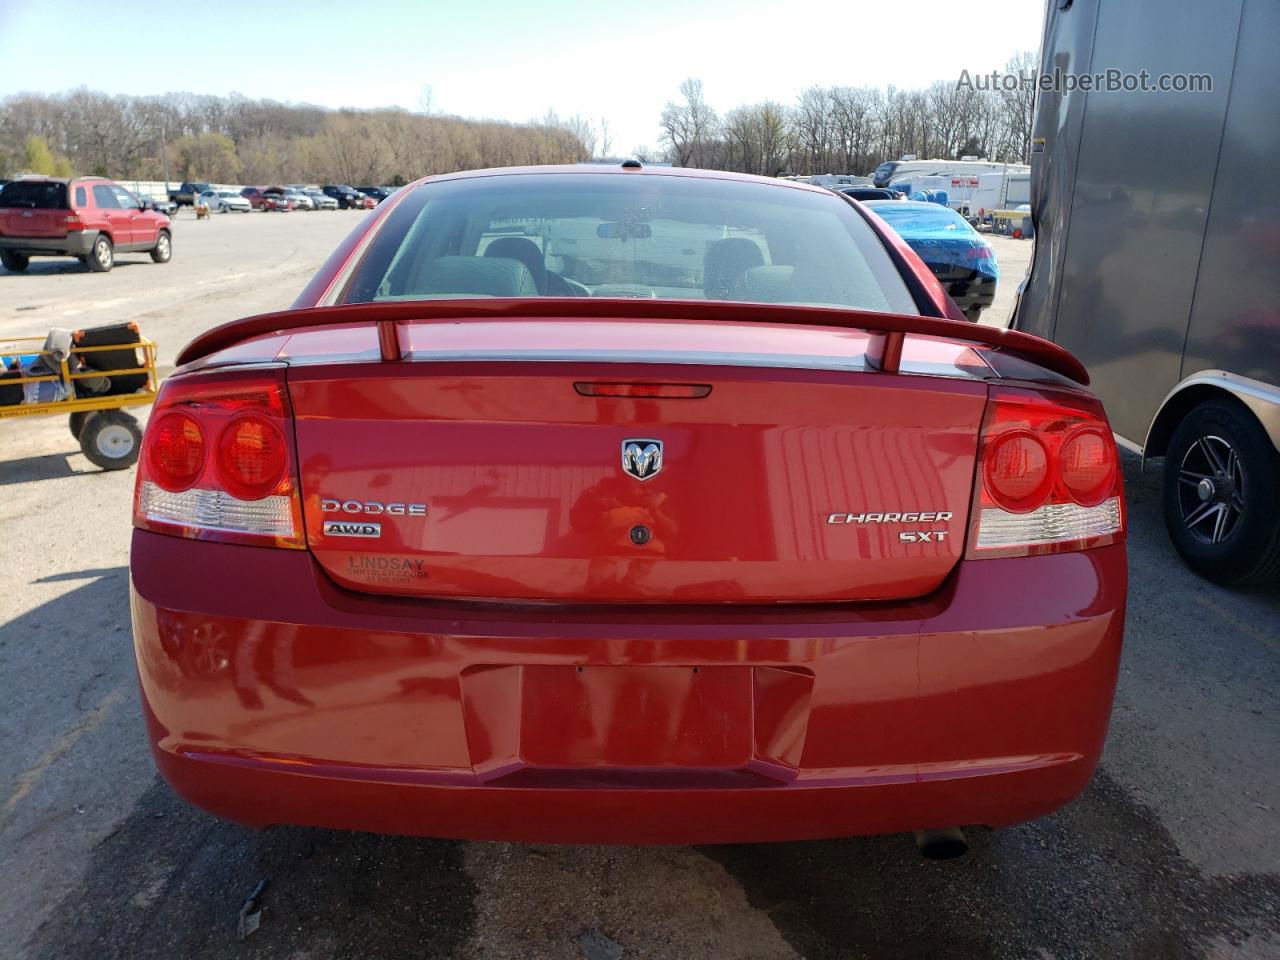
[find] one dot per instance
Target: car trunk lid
(486, 464)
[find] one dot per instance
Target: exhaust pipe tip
(945, 843)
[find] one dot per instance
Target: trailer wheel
(111, 439)
(1222, 494)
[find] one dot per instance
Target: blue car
(956, 253)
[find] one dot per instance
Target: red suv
(627, 506)
(89, 218)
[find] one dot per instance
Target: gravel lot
(1173, 852)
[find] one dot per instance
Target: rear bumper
(77, 244)
(977, 291)
(272, 696)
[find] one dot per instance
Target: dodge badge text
(374, 507)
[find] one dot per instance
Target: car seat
(725, 265)
(474, 276)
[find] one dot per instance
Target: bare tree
(1019, 107)
(689, 128)
(848, 129)
(223, 138)
(606, 141)
(582, 128)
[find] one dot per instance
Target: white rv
(910, 168)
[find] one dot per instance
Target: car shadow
(329, 893)
(55, 267)
(49, 466)
(1101, 878)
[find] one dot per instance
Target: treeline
(850, 129)
(238, 140)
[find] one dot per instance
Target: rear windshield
(925, 218)
(611, 235)
(34, 195)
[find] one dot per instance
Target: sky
(511, 61)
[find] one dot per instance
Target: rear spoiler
(889, 328)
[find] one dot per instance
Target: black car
(870, 193)
(168, 207)
(347, 197)
(378, 193)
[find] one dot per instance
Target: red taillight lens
(72, 223)
(251, 457)
(241, 487)
(1087, 465)
(1049, 477)
(1015, 470)
(175, 451)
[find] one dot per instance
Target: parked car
(300, 200)
(747, 537)
(262, 199)
(347, 198)
(225, 201)
(167, 207)
(962, 260)
(378, 193)
(186, 194)
(89, 218)
(869, 193)
(321, 199)
(283, 198)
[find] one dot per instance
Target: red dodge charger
(623, 505)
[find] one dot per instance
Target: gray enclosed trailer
(1157, 256)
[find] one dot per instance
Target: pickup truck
(186, 194)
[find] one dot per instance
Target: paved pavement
(1172, 853)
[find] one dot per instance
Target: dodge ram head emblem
(642, 459)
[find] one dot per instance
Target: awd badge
(348, 528)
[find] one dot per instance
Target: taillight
(217, 462)
(175, 450)
(72, 223)
(252, 455)
(670, 391)
(1048, 477)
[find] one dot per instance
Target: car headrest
(476, 276)
(724, 265)
(524, 250)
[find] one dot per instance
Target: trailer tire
(1222, 494)
(111, 439)
(77, 423)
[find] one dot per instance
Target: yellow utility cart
(102, 371)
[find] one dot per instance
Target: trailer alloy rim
(1211, 489)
